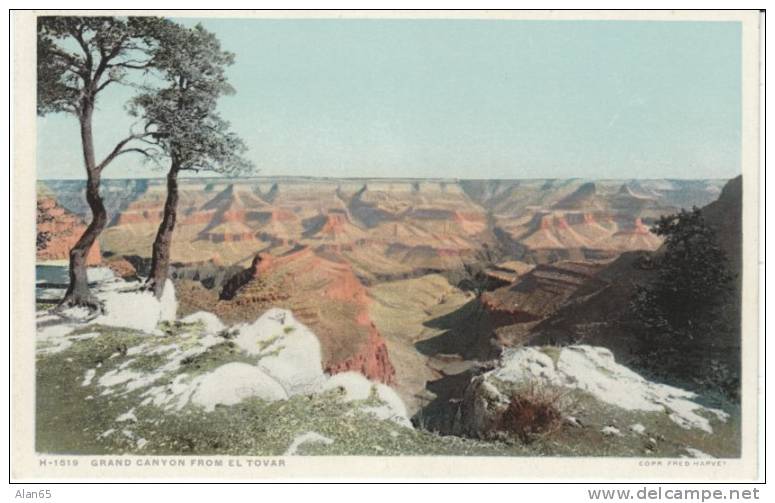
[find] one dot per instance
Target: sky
(460, 99)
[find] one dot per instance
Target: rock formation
(548, 376)
(63, 229)
(325, 294)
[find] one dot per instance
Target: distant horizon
(442, 179)
(442, 98)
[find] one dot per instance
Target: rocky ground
(372, 317)
(164, 384)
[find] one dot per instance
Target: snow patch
(87, 378)
(115, 377)
(52, 339)
(611, 431)
(134, 309)
(525, 365)
(696, 453)
(593, 370)
(127, 416)
(136, 350)
(232, 383)
(354, 385)
(306, 438)
(174, 395)
(357, 387)
(168, 302)
(212, 324)
(100, 274)
(84, 337)
(285, 349)
(287, 356)
(130, 306)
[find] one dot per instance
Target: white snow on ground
(611, 431)
(638, 428)
(393, 408)
(287, 355)
(127, 416)
(174, 395)
(306, 438)
(593, 369)
(174, 353)
(696, 453)
(573, 421)
(125, 305)
(357, 387)
(232, 383)
(283, 368)
(136, 309)
(87, 378)
(354, 385)
(100, 274)
(529, 364)
(137, 350)
(212, 325)
(76, 314)
(84, 337)
(286, 350)
(168, 302)
(115, 377)
(53, 294)
(52, 338)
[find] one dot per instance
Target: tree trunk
(78, 290)
(160, 261)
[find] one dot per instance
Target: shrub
(693, 282)
(533, 412)
(684, 316)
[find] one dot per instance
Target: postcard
(445, 245)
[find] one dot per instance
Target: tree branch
(119, 149)
(106, 57)
(145, 151)
(132, 64)
(105, 84)
(77, 34)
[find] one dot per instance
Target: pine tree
(186, 130)
(78, 58)
(692, 282)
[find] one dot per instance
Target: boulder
(284, 349)
(231, 383)
(588, 369)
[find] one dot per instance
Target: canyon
(412, 283)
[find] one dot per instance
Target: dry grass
(534, 412)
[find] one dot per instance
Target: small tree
(692, 281)
(187, 130)
(43, 237)
(78, 58)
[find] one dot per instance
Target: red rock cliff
(63, 230)
(324, 293)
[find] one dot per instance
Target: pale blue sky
(462, 99)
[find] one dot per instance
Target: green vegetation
(214, 357)
(686, 318)
(83, 419)
(693, 280)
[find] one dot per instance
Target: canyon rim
(394, 239)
